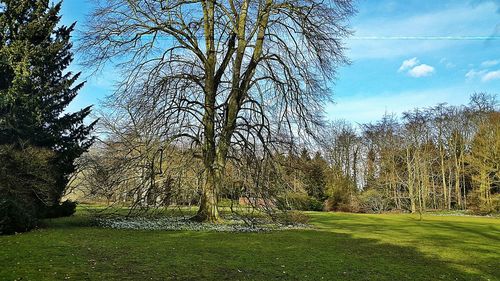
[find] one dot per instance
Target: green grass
(341, 247)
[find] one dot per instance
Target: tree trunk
(410, 181)
(446, 204)
(458, 192)
(208, 210)
(215, 153)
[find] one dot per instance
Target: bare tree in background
(224, 75)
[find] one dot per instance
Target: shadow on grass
(74, 221)
(408, 225)
(486, 232)
(64, 249)
(471, 245)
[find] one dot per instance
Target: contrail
(425, 38)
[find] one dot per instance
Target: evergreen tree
(35, 89)
(315, 177)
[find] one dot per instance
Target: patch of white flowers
(184, 223)
(457, 214)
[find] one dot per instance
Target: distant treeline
(444, 157)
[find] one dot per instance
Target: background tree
(484, 163)
(342, 150)
(383, 142)
(315, 177)
(227, 76)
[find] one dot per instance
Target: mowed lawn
(340, 247)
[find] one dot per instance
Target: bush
(351, 205)
(474, 202)
(479, 206)
(16, 216)
(65, 209)
(293, 218)
(495, 202)
(26, 187)
(373, 201)
(300, 202)
(314, 205)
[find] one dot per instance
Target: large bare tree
(233, 75)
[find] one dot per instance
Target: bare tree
(384, 139)
(229, 75)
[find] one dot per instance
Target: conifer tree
(35, 88)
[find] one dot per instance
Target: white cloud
(492, 75)
(484, 75)
(421, 70)
(471, 74)
(490, 63)
(407, 64)
(415, 68)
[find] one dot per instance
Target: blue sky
(404, 53)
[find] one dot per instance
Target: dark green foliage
(341, 190)
(340, 200)
(34, 53)
(65, 209)
(301, 202)
(26, 183)
(306, 176)
(370, 169)
(315, 182)
(16, 215)
(34, 91)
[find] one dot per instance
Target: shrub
(314, 204)
(65, 209)
(479, 206)
(293, 218)
(300, 202)
(373, 201)
(495, 202)
(16, 216)
(474, 202)
(351, 204)
(26, 187)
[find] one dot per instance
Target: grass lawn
(341, 247)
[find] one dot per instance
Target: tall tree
(35, 89)
(226, 75)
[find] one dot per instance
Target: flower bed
(184, 223)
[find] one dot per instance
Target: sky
(404, 54)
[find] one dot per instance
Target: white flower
(183, 223)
